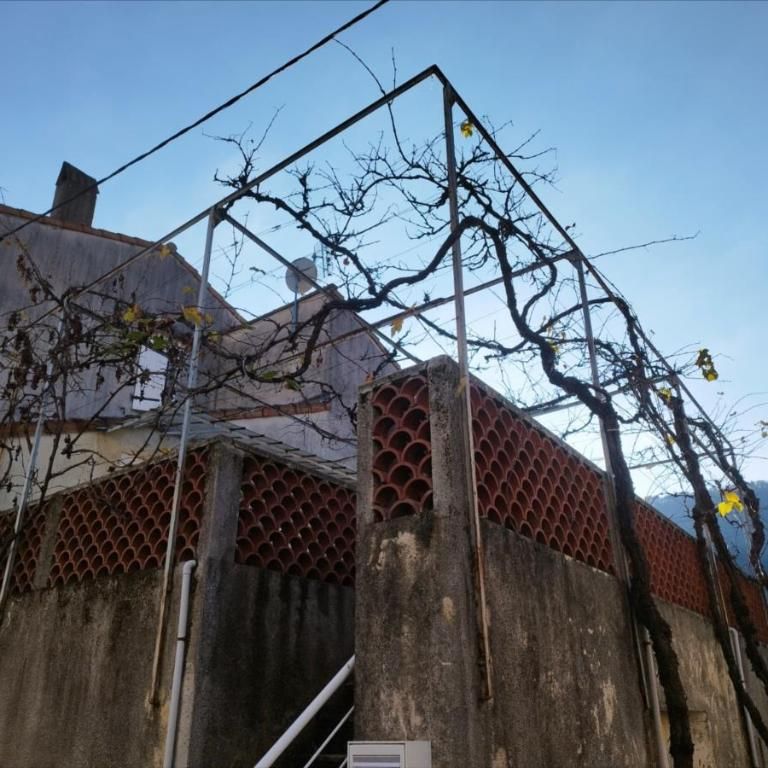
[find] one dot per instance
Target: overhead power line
(230, 102)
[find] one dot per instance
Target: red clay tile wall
(676, 575)
(402, 448)
(120, 525)
(28, 551)
(529, 483)
(296, 523)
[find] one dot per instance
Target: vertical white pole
(463, 355)
(29, 477)
(182, 456)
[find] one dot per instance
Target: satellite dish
(300, 278)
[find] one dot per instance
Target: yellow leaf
(724, 508)
(192, 315)
(731, 497)
(132, 313)
(208, 318)
(164, 251)
(710, 375)
(671, 440)
(467, 129)
(665, 393)
(396, 326)
(554, 347)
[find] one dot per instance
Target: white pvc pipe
(736, 645)
(178, 667)
(662, 750)
(301, 721)
(29, 477)
(181, 457)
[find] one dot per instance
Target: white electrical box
(389, 754)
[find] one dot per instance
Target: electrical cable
(212, 113)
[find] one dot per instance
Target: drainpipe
(736, 645)
(662, 752)
(178, 667)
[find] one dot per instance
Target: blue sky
(657, 111)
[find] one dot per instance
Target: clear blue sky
(657, 110)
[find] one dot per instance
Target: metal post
(464, 383)
(750, 728)
(647, 670)
(662, 750)
(182, 456)
(29, 477)
(619, 559)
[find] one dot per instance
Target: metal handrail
(329, 737)
(311, 710)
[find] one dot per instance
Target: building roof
(104, 234)
(204, 429)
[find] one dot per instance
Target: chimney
(71, 182)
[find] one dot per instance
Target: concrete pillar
(417, 673)
(215, 549)
(52, 513)
(218, 532)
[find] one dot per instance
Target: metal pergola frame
(218, 212)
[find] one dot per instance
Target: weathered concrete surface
(264, 644)
(75, 662)
(758, 693)
(565, 684)
(566, 681)
(416, 646)
(417, 675)
(715, 713)
(75, 669)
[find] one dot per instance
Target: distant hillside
(676, 509)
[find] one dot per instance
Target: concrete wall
(565, 675)
(75, 662)
(266, 644)
(75, 666)
(262, 646)
(715, 713)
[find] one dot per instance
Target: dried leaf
(706, 365)
(132, 314)
(396, 326)
(467, 129)
(192, 315)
